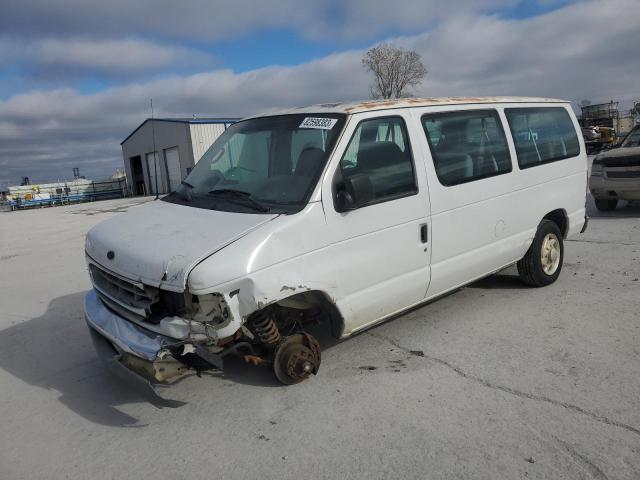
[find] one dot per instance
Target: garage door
(153, 171)
(172, 158)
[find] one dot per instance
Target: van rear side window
(542, 135)
(467, 146)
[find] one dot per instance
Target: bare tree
(394, 69)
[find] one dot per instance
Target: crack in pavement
(602, 242)
(531, 396)
(583, 460)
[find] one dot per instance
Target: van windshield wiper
(244, 197)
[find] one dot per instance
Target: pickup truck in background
(615, 174)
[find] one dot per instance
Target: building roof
(182, 120)
(367, 105)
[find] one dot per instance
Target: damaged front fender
(281, 259)
(245, 296)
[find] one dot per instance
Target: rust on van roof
(368, 105)
(415, 102)
(431, 101)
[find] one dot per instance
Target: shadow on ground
(623, 210)
(502, 281)
(55, 352)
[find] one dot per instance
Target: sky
(76, 76)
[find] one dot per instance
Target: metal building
(179, 144)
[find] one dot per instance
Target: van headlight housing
(210, 308)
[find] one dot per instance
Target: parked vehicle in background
(590, 133)
(597, 139)
(337, 215)
(615, 174)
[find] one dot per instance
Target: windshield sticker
(317, 122)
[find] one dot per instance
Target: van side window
(467, 146)
(542, 135)
(380, 149)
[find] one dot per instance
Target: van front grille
(623, 174)
(120, 293)
(622, 161)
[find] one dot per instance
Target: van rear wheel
(606, 204)
(542, 263)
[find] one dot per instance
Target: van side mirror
(353, 192)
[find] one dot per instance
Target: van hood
(159, 243)
(619, 152)
(619, 157)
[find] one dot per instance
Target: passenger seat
(308, 162)
(454, 163)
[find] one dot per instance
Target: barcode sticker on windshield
(317, 122)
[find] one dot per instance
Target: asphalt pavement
(495, 381)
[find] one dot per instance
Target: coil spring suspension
(265, 329)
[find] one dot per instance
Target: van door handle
(424, 233)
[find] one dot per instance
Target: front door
(381, 249)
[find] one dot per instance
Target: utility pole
(155, 153)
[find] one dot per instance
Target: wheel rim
(550, 254)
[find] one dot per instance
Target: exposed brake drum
(297, 357)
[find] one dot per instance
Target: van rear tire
(542, 263)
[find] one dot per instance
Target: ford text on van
(342, 215)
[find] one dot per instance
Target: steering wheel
(216, 177)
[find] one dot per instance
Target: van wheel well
(312, 306)
(559, 217)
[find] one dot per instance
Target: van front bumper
(139, 357)
(608, 188)
(148, 361)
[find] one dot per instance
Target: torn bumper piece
(138, 356)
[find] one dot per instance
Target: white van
(341, 215)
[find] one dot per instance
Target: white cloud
(205, 19)
(565, 54)
(119, 57)
(116, 55)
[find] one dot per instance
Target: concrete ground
(496, 381)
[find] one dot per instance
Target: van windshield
(632, 139)
(262, 165)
